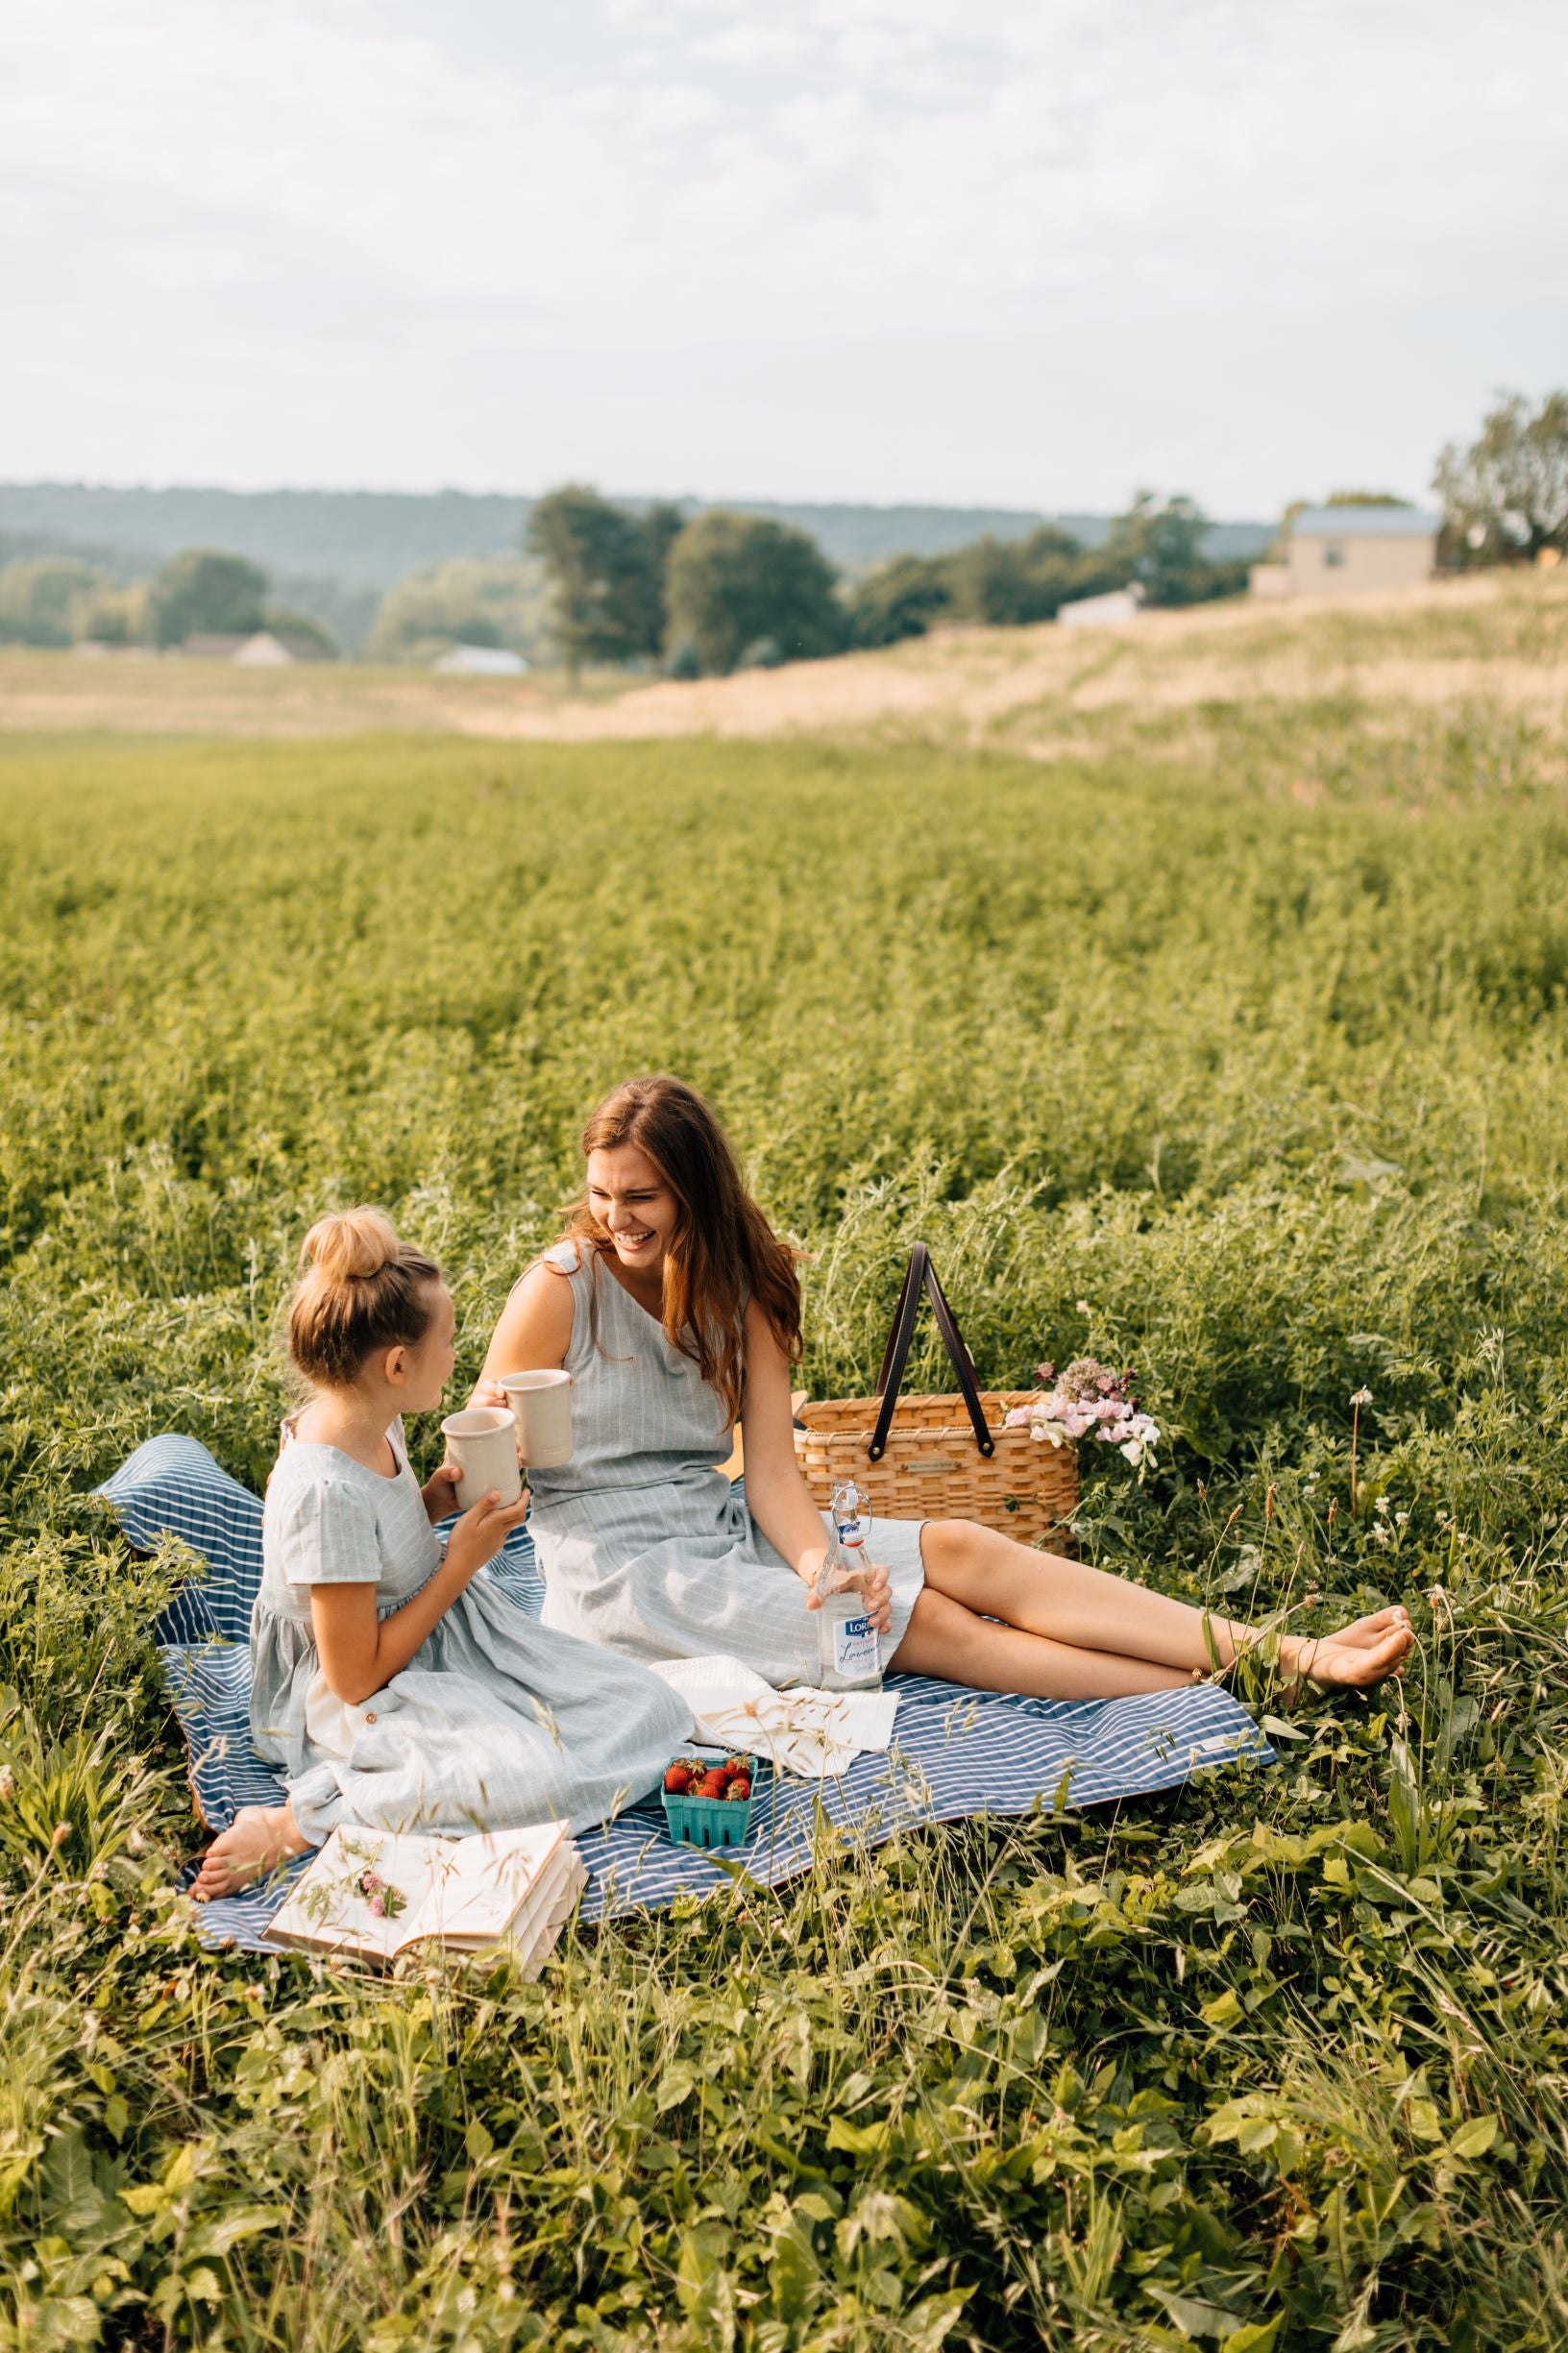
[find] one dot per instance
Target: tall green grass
(1258, 1090)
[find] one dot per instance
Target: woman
(394, 1684)
(672, 1304)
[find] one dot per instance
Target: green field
(1257, 1088)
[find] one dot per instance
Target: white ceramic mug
(542, 1402)
(483, 1441)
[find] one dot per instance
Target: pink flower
(378, 1906)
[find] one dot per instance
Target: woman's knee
(944, 1543)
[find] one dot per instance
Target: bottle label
(856, 1650)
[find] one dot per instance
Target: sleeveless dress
(495, 1722)
(644, 1546)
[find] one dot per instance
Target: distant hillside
(371, 538)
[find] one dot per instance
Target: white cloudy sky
(1024, 251)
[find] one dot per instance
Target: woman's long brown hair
(722, 1251)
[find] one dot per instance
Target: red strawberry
(739, 1787)
(734, 1765)
(677, 1779)
(713, 1784)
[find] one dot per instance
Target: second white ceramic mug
(542, 1402)
(483, 1441)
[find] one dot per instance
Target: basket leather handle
(921, 1276)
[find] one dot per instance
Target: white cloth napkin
(806, 1733)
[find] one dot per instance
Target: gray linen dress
(496, 1721)
(644, 1544)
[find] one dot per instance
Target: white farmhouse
(1345, 550)
(278, 649)
(1112, 611)
(480, 662)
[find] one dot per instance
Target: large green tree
(472, 600)
(737, 580)
(1160, 547)
(1507, 493)
(42, 597)
(900, 599)
(606, 566)
(200, 591)
(1016, 581)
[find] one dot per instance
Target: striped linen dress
(495, 1722)
(644, 1546)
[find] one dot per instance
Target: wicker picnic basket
(937, 1457)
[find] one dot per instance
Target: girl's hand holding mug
(440, 1492)
(480, 1533)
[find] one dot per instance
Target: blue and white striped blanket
(954, 1752)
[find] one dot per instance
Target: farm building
(480, 662)
(213, 646)
(1112, 611)
(1344, 550)
(279, 649)
(256, 648)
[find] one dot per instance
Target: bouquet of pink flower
(1087, 1400)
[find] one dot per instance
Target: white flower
(1360, 1397)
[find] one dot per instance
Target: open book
(378, 1893)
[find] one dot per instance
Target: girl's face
(627, 1194)
(426, 1366)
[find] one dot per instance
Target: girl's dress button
(371, 1716)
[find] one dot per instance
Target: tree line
(66, 599)
(730, 591)
(600, 583)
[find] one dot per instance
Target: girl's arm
(361, 1652)
(533, 1334)
(776, 1495)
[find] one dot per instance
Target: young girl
(395, 1684)
(671, 1304)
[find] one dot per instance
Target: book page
(478, 1884)
(550, 1900)
(548, 1935)
(360, 1892)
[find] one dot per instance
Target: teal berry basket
(709, 1822)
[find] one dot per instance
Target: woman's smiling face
(629, 1197)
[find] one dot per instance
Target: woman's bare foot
(256, 1842)
(1367, 1632)
(1355, 1657)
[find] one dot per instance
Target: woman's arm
(776, 1495)
(534, 1332)
(361, 1652)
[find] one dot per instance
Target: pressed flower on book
(364, 1880)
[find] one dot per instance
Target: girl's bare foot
(256, 1842)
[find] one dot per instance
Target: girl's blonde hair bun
(360, 1289)
(350, 1245)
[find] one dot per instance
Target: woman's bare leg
(943, 1637)
(1090, 1610)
